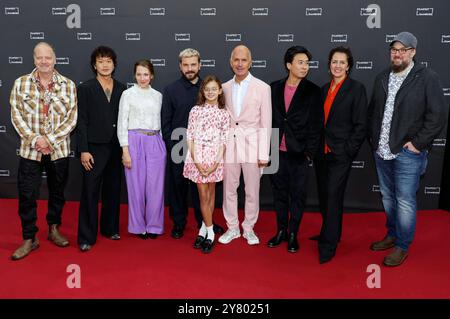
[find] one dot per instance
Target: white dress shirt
(138, 109)
(239, 91)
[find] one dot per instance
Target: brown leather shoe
(396, 258)
(386, 243)
(55, 236)
(27, 247)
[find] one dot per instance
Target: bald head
(44, 59)
(241, 62)
(242, 49)
(43, 46)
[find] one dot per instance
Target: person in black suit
(298, 115)
(344, 102)
(99, 149)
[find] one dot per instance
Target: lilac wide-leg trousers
(145, 183)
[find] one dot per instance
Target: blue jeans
(399, 182)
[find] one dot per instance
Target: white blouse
(138, 109)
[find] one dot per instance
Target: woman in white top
(144, 153)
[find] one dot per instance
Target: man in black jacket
(99, 149)
(178, 99)
(407, 111)
(297, 113)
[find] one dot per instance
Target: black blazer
(97, 118)
(345, 129)
(420, 110)
(303, 121)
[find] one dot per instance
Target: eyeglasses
(401, 50)
(211, 90)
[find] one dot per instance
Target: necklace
(106, 84)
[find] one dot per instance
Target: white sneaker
(229, 235)
(251, 237)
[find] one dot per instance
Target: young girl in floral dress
(207, 133)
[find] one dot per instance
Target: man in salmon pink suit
(248, 100)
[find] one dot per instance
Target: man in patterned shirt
(406, 113)
(43, 112)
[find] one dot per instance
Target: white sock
(202, 231)
(210, 230)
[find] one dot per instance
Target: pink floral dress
(208, 127)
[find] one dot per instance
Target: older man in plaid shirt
(43, 112)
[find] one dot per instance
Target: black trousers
(289, 186)
(29, 179)
(332, 173)
(105, 177)
(179, 187)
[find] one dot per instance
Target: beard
(399, 68)
(190, 75)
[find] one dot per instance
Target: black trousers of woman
(332, 173)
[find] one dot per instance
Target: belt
(149, 133)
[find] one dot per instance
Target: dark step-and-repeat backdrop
(160, 29)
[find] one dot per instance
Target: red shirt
(328, 102)
(46, 93)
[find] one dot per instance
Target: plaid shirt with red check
(48, 114)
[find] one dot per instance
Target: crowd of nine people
(225, 129)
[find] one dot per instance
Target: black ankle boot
(292, 243)
(277, 239)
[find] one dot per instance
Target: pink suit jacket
(249, 136)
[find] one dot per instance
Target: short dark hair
(201, 96)
(103, 52)
(292, 52)
(146, 64)
(344, 50)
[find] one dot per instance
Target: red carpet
(169, 268)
